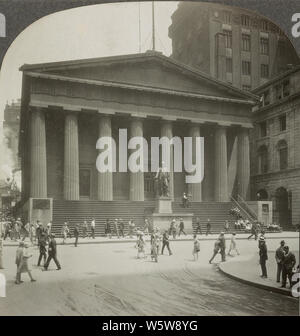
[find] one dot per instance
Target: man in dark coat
(216, 249)
(254, 230)
(121, 227)
(222, 246)
(198, 226)
(42, 248)
(76, 234)
(289, 262)
(52, 253)
(263, 256)
(181, 227)
(208, 226)
(166, 243)
(279, 256)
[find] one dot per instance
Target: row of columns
(38, 186)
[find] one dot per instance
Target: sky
(85, 32)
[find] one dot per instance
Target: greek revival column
(105, 180)
(136, 178)
(38, 164)
(167, 131)
(195, 189)
(71, 160)
(243, 172)
(221, 182)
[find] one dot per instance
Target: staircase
(75, 212)
(217, 212)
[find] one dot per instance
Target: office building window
(282, 123)
(263, 129)
(246, 68)
(286, 88)
(229, 65)
(266, 98)
(264, 70)
(283, 154)
(263, 159)
(227, 17)
(245, 19)
(246, 42)
(228, 38)
(278, 91)
(264, 25)
(264, 46)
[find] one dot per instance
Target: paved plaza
(107, 279)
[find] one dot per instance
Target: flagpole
(153, 27)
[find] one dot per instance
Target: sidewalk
(203, 237)
(246, 269)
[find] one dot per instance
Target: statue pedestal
(164, 205)
(163, 216)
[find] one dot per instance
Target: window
(245, 19)
(266, 98)
(283, 154)
(264, 70)
(282, 123)
(229, 65)
(246, 42)
(263, 129)
(246, 68)
(263, 159)
(227, 17)
(264, 25)
(84, 182)
(264, 46)
(278, 91)
(246, 87)
(286, 88)
(228, 38)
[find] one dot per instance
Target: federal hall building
(67, 106)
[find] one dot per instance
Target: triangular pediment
(150, 69)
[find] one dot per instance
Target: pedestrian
(172, 230)
(263, 257)
(52, 253)
(154, 247)
(39, 230)
(253, 231)
(141, 245)
(146, 227)
(93, 227)
(233, 246)
(208, 227)
(65, 232)
(76, 234)
(216, 250)
(121, 227)
(279, 256)
(222, 246)
(32, 232)
(288, 264)
(49, 228)
(226, 226)
(131, 228)
(24, 265)
(107, 228)
(19, 257)
(181, 227)
(196, 248)
(198, 226)
(84, 229)
(42, 248)
(185, 200)
(166, 243)
(116, 228)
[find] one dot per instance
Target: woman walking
(24, 266)
(196, 249)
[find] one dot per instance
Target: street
(107, 279)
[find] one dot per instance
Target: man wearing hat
(42, 247)
(288, 263)
(222, 246)
(181, 227)
(279, 256)
(166, 243)
(19, 257)
(263, 256)
(52, 253)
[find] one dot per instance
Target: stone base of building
(164, 205)
(163, 221)
(38, 209)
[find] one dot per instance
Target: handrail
(252, 213)
(244, 211)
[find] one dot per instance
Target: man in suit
(19, 257)
(181, 227)
(76, 234)
(208, 227)
(222, 246)
(263, 256)
(52, 253)
(42, 248)
(198, 226)
(279, 256)
(166, 243)
(289, 262)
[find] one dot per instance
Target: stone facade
(275, 146)
(232, 44)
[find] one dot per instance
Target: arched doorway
(282, 208)
(262, 195)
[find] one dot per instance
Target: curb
(281, 291)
